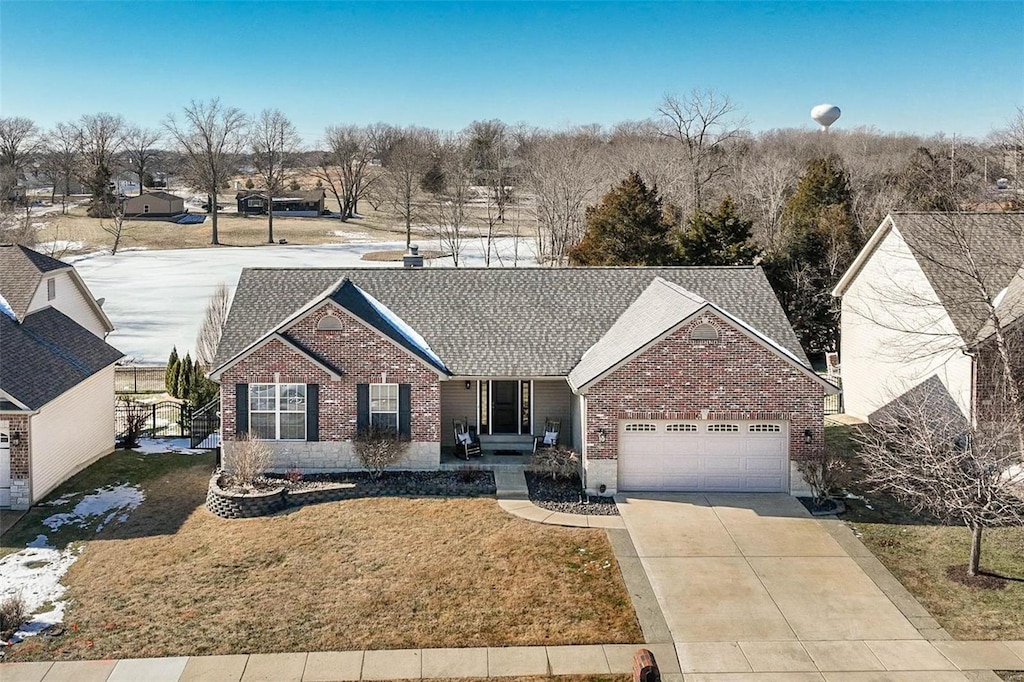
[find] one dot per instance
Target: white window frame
(51, 288)
(387, 388)
(279, 409)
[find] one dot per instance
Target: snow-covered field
(157, 299)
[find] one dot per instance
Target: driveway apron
(754, 567)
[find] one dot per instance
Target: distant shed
(154, 205)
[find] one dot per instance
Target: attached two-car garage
(734, 456)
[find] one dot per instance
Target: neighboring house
(296, 204)
(662, 378)
(154, 205)
(913, 317)
(56, 376)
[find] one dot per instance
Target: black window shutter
(312, 412)
(405, 410)
(241, 409)
(362, 406)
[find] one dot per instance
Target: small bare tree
(210, 140)
(59, 159)
(140, 151)
(100, 141)
(378, 448)
(213, 325)
(924, 453)
(704, 125)
(344, 167)
(19, 140)
(115, 223)
(451, 203)
(408, 159)
(247, 460)
(275, 143)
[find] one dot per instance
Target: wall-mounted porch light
(469, 384)
(16, 439)
(602, 435)
(808, 436)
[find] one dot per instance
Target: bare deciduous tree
(344, 166)
(213, 325)
(100, 140)
(275, 143)
(703, 125)
(407, 158)
(210, 139)
(768, 181)
(932, 459)
(115, 223)
(19, 139)
(451, 204)
(59, 159)
(140, 151)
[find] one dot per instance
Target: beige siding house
(155, 204)
(56, 376)
(910, 313)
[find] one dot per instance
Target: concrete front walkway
(514, 497)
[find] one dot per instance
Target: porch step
(507, 441)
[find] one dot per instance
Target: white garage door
(725, 456)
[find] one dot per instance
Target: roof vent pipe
(413, 259)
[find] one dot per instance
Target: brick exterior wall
(21, 485)
(364, 357)
(734, 377)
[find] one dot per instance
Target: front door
(5, 464)
(504, 407)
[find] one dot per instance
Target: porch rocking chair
(552, 427)
(467, 444)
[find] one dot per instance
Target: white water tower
(825, 115)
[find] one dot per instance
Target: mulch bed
(829, 508)
(469, 483)
(984, 581)
(566, 495)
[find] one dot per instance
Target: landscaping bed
(383, 572)
(566, 495)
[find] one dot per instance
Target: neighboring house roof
(501, 321)
(166, 196)
(21, 270)
(1009, 306)
(939, 243)
(662, 307)
(47, 354)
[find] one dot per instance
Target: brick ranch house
(662, 378)
(56, 376)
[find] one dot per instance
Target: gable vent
(704, 332)
(328, 323)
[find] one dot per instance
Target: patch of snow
(159, 446)
(354, 236)
(402, 327)
(35, 573)
(62, 500)
(110, 502)
(212, 441)
(58, 245)
(5, 308)
(41, 542)
(176, 285)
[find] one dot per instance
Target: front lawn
(920, 551)
(373, 573)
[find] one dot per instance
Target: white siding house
(903, 324)
(56, 376)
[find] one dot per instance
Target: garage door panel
(709, 456)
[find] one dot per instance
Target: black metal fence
(205, 425)
(834, 403)
(139, 378)
(164, 419)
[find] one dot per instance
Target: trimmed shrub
(557, 462)
(378, 448)
(247, 460)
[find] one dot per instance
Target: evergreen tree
(719, 238)
(628, 227)
(202, 389)
(171, 373)
(185, 377)
(819, 241)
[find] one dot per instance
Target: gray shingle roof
(48, 354)
(21, 270)
(661, 306)
(502, 321)
(940, 241)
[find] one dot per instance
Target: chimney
(413, 259)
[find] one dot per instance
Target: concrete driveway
(754, 567)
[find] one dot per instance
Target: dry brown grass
(371, 573)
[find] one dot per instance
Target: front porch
(489, 462)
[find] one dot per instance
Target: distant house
(56, 376)
(295, 204)
(154, 205)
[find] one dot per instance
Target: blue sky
(956, 67)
